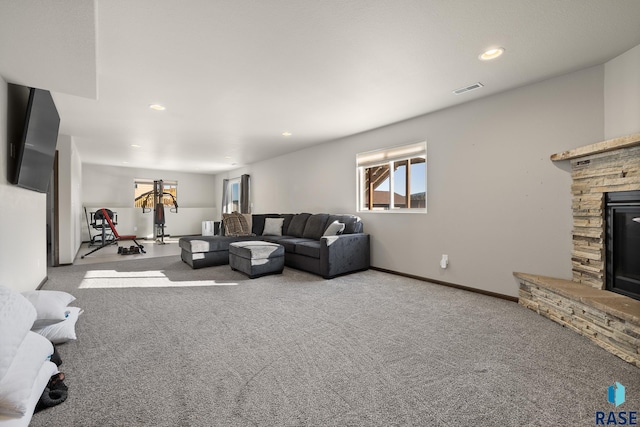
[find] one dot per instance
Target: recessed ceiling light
(157, 107)
(227, 157)
(286, 134)
(135, 145)
(492, 53)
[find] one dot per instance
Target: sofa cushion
(309, 248)
(290, 243)
(298, 222)
(287, 221)
(258, 222)
(316, 224)
(275, 239)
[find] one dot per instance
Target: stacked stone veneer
(594, 175)
(582, 304)
(610, 320)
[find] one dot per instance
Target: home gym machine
(98, 223)
(105, 219)
(155, 198)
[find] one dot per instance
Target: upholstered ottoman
(255, 258)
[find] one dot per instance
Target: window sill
(393, 211)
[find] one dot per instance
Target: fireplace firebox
(623, 243)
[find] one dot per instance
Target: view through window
(233, 203)
(143, 193)
(393, 179)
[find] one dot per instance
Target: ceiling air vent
(468, 88)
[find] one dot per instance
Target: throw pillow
(51, 306)
(235, 224)
(273, 227)
(334, 229)
(249, 220)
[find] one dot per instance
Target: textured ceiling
(50, 45)
(234, 75)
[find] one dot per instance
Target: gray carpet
(160, 344)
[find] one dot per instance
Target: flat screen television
(33, 123)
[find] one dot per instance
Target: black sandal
(50, 398)
(56, 382)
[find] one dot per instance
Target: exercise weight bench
(117, 238)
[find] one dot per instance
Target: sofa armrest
(343, 254)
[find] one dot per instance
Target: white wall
(622, 94)
(496, 203)
(70, 213)
(113, 188)
(23, 250)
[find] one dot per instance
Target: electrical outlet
(444, 262)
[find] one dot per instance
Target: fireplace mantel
(599, 147)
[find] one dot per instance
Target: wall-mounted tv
(32, 132)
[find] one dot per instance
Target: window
(233, 202)
(144, 197)
(236, 194)
(393, 179)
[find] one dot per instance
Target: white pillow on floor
(17, 315)
(16, 386)
(62, 331)
(50, 306)
(47, 370)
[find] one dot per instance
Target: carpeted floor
(160, 344)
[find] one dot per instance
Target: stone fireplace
(603, 176)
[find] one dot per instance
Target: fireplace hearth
(623, 243)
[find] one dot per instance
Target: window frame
(387, 158)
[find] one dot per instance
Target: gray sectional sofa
(303, 238)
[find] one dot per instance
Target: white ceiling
(235, 74)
